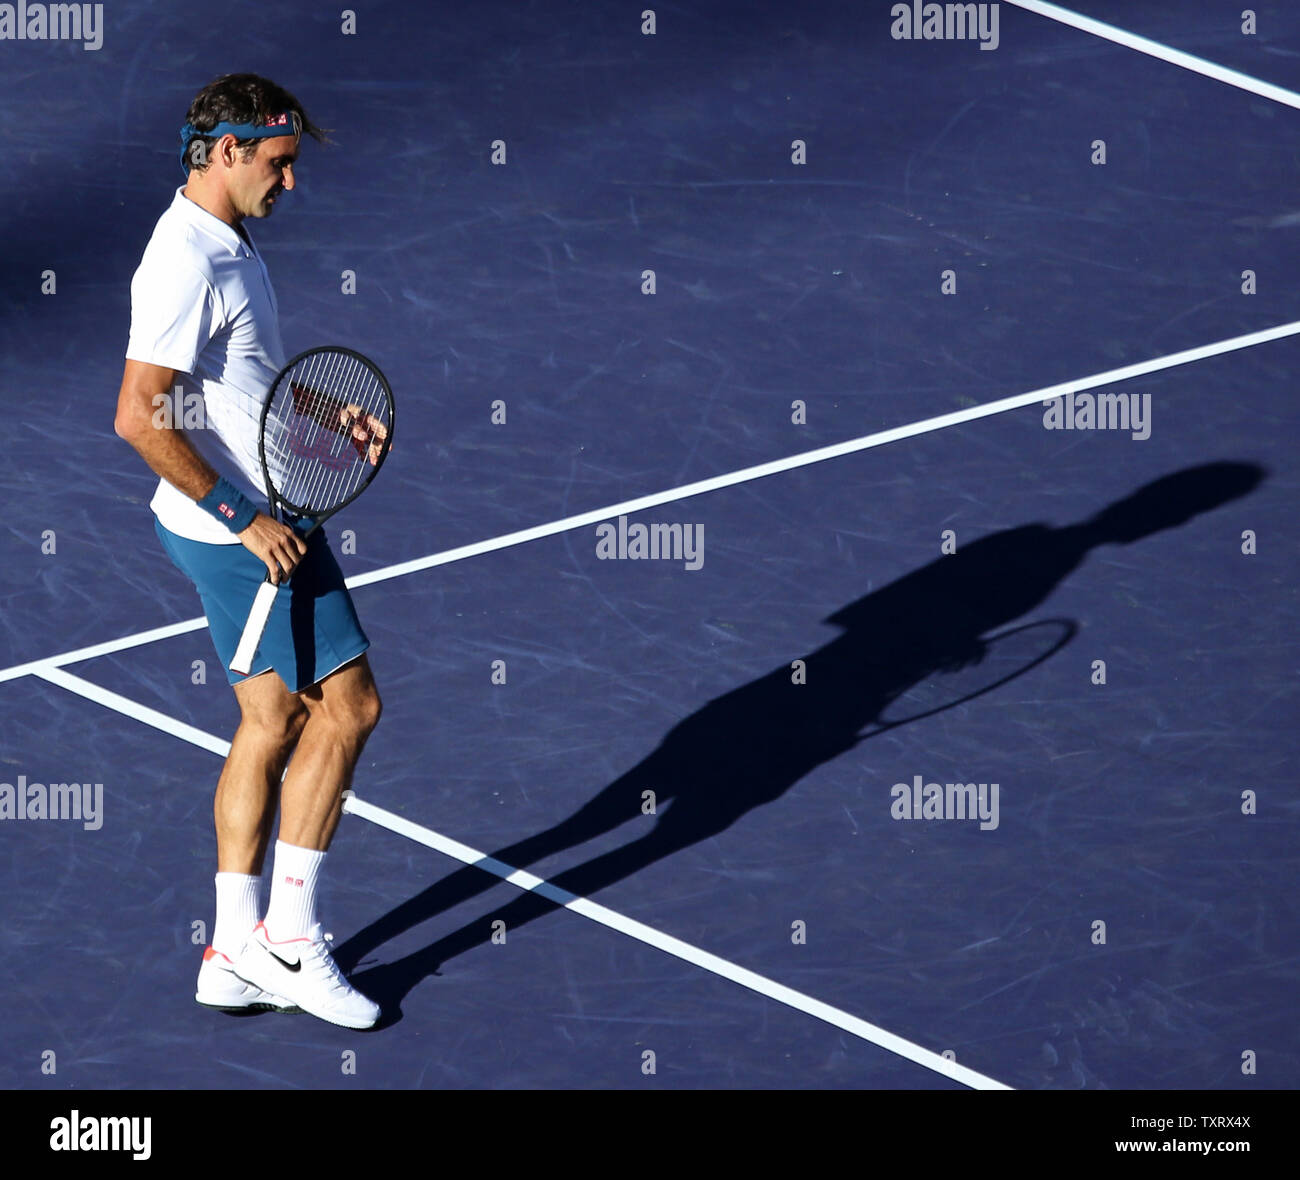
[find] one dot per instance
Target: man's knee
(367, 710)
(350, 705)
(275, 719)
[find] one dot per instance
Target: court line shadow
(747, 747)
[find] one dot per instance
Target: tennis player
(204, 336)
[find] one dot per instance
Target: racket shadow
(748, 747)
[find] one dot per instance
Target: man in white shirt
(204, 349)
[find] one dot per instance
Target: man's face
(253, 185)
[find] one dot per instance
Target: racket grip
(252, 636)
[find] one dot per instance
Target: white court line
(835, 451)
(34, 667)
(627, 507)
(130, 708)
(579, 905)
(1177, 57)
(673, 946)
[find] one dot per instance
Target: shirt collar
(213, 226)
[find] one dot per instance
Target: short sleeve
(173, 314)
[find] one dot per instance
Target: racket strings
(326, 430)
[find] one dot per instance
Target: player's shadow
(749, 746)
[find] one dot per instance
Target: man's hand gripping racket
(326, 429)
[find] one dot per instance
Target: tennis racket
(326, 429)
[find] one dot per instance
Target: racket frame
(272, 496)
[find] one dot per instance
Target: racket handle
(252, 636)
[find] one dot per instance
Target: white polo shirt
(202, 304)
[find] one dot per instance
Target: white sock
(237, 896)
(292, 911)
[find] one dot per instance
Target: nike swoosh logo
(294, 966)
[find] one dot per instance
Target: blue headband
(287, 123)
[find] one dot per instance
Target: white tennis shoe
(304, 972)
(220, 987)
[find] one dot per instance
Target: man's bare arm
(172, 456)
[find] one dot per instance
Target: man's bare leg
(272, 718)
(342, 710)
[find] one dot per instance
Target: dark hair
(240, 98)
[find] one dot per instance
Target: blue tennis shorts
(313, 629)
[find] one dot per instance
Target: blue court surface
(650, 822)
